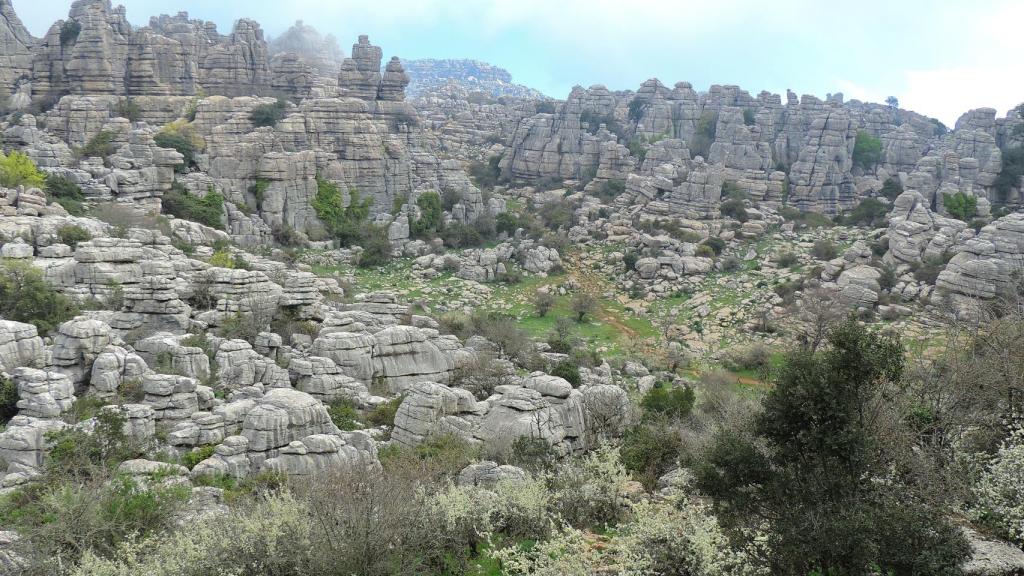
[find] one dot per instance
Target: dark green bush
(1010, 174)
(569, 371)
(69, 32)
(182, 144)
(459, 235)
(181, 203)
(268, 114)
(786, 259)
(960, 206)
(867, 150)
(346, 223)
(100, 145)
(430, 222)
(610, 189)
(197, 455)
(71, 235)
(892, 188)
(668, 401)
(715, 243)
(735, 209)
(26, 297)
(824, 250)
(8, 400)
(129, 108)
(344, 414)
(930, 268)
(486, 176)
(870, 213)
(546, 107)
(636, 109)
(384, 414)
(649, 450)
(707, 126)
(749, 116)
(66, 193)
(377, 250)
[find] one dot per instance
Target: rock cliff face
(96, 51)
(802, 148)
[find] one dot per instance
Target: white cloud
(949, 92)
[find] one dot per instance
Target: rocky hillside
(472, 76)
(265, 308)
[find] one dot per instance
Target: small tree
(26, 297)
(892, 102)
(543, 301)
(430, 222)
(867, 150)
(582, 305)
(960, 206)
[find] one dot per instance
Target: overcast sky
(939, 57)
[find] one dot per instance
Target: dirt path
(592, 284)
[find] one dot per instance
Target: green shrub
(545, 107)
(69, 32)
(705, 251)
(824, 250)
(71, 235)
(749, 117)
(78, 454)
(178, 142)
(197, 455)
(506, 223)
(17, 169)
(569, 371)
(344, 414)
(867, 150)
(668, 401)
(892, 188)
(377, 250)
(450, 198)
(649, 450)
(870, 213)
(66, 193)
(960, 206)
(756, 357)
(731, 263)
(887, 279)
(707, 126)
(486, 176)
(26, 297)
(715, 243)
(268, 114)
(430, 222)
(181, 203)
(610, 189)
(101, 145)
(636, 109)
(930, 268)
(129, 108)
(8, 400)
(786, 259)
(1010, 173)
(880, 246)
(734, 208)
(346, 223)
(384, 414)
(459, 235)
(222, 259)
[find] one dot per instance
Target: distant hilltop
(432, 75)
